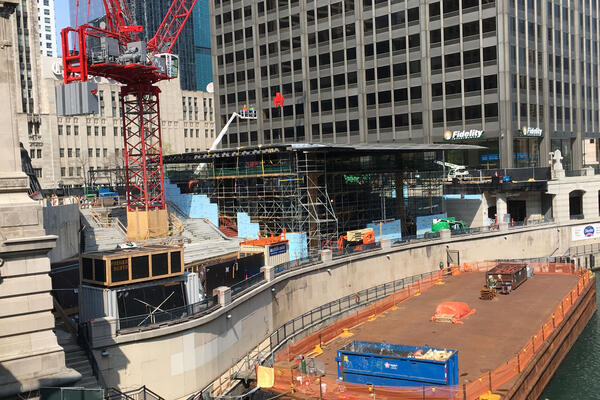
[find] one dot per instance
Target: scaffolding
(321, 193)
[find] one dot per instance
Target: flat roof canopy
(315, 147)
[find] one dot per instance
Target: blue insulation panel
(193, 205)
(385, 364)
(246, 228)
(391, 230)
(298, 245)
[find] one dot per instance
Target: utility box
(275, 249)
(384, 364)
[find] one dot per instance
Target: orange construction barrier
(328, 388)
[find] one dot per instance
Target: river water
(578, 376)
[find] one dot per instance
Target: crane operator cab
(167, 64)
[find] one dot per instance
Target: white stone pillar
(501, 208)
(269, 272)
(223, 294)
(326, 255)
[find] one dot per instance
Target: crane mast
(121, 57)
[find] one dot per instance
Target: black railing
(242, 287)
(142, 393)
(164, 316)
(83, 339)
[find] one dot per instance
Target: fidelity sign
(531, 132)
(463, 135)
(584, 232)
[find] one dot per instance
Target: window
(60, 130)
(89, 131)
(185, 133)
(61, 152)
(37, 172)
(103, 131)
(69, 152)
(39, 153)
(115, 131)
(70, 171)
(97, 152)
(62, 171)
(76, 130)
(104, 152)
(90, 152)
(77, 152)
(78, 171)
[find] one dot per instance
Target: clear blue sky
(61, 10)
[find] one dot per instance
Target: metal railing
(264, 352)
(158, 316)
(337, 307)
(195, 310)
(142, 393)
(244, 286)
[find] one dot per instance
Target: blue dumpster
(384, 364)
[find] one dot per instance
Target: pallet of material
(487, 294)
(447, 318)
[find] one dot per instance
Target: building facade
(203, 58)
(65, 149)
(47, 27)
(150, 14)
(518, 77)
(87, 11)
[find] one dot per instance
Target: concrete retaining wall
(178, 360)
(63, 221)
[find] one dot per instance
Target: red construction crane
(116, 53)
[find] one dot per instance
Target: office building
(47, 27)
(150, 15)
(87, 11)
(519, 77)
(203, 58)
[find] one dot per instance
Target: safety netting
(290, 380)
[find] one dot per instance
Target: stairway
(99, 237)
(75, 357)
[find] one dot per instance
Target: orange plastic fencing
(291, 380)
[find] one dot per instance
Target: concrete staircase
(99, 234)
(75, 357)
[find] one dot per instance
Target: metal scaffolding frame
(320, 192)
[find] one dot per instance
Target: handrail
(120, 225)
(85, 345)
(65, 318)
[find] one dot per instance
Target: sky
(61, 10)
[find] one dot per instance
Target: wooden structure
(126, 266)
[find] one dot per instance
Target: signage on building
(584, 232)
(277, 249)
(527, 131)
(463, 135)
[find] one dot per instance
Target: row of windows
(452, 33)
(453, 6)
(207, 133)
(468, 57)
(72, 171)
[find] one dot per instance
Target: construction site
(321, 190)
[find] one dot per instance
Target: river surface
(578, 376)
